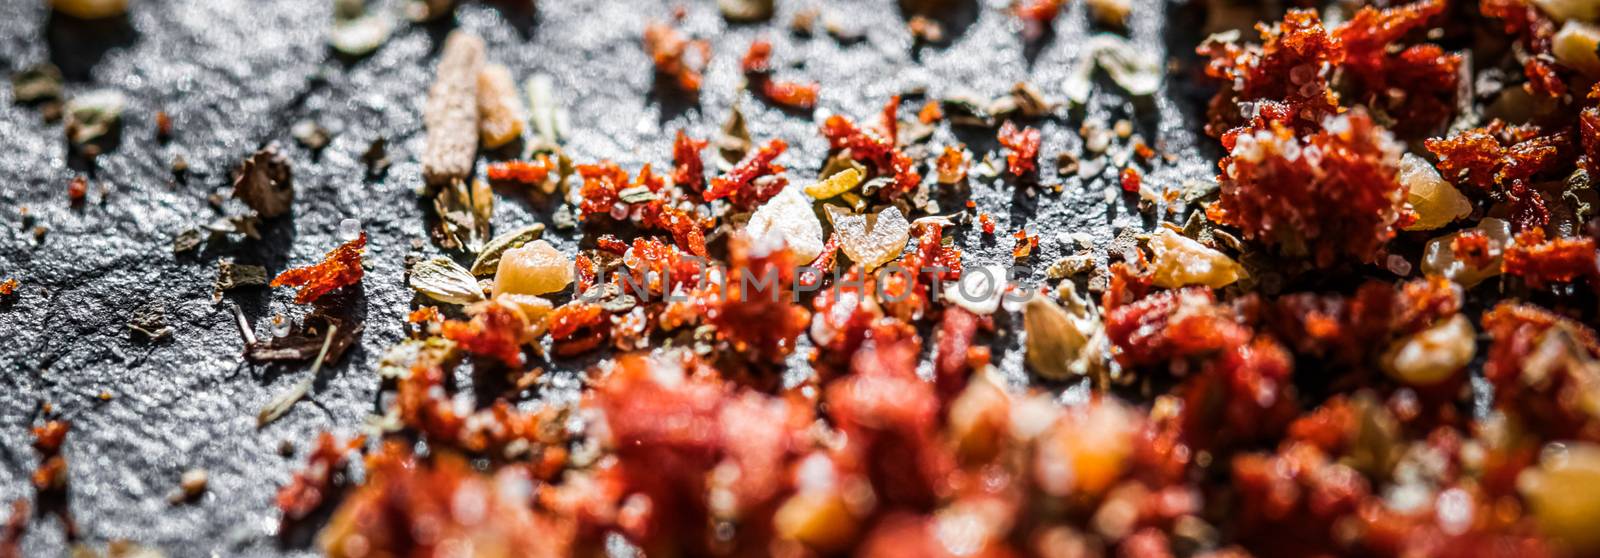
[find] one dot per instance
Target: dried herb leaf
(489, 259)
(151, 322)
(36, 84)
(1062, 343)
(231, 276)
(94, 115)
(549, 118)
(304, 341)
(186, 240)
(1132, 68)
(444, 280)
(636, 194)
(235, 224)
(734, 140)
(464, 214)
(265, 182)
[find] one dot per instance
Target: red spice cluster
(1344, 329)
(1542, 367)
(1023, 160)
(757, 65)
(77, 190)
(1285, 79)
(1334, 193)
(496, 330)
(1504, 161)
(601, 194)
(324, 473)
(1541, 262)
(752, 181)
(523, 172)
(757, 316)
(1535, 32)
(676, 57)
(688, 170)
(1416, 85)
(878, 151)
(340, 268)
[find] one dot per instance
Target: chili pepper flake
(1130, 179)
(987, 222)
(524, 172)
(1023, 159)
(77, 190)
(341, 267)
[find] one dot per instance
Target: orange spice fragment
(340, 268)
(1130, 179)
(1541, 262)
(524, 172)
(77, 190)
(1024, 146)
(951, 166)
(497, 331)
(8, 287)
(987, 222)
(1025, 243)
(669, 51)
(931, 112)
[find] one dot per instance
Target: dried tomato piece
(1415, 86)
(497, 331)
(77, 190)
(754, 311)
(577, 327)
(1334, 193)
(1502, 161)
(791, 93)
(1130, 179)
(322, 475)
(754, 180)
(524, 172)
(340, 268)
(1541, 262)
(601, 186)
(951, 166)
(1023, 159)
(688, 170)
(671, 53)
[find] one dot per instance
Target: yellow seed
(841, 182)
(1432, 355)
(536, 268)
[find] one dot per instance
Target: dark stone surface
(237, 74)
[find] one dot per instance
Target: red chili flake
(987, 222)
(952, 166)
(16, 527)
(688, 170)
(1535, 361)
(8, 287)
(1024, 244)
(687, 232)
(741, 185)
(163, 126)
(758, 59)
(1142, 150)
(931, 112)
(586, 271)
(1541, 262)
(1345, 201)
(341, 267)
(877, 152)
(577, 327)
(889, 120)
(423, 315)
(1471, 247)
(77, 190)
(315, 484)
(1529, 25)
(1505, 160)
(1131, 179)
(791, 94)
(524, 172)
(669, 50)
(1038, 12)
(818, 268)
(610, 243)
(497, 331)
(971, 204)
(1023, 159)
(601, 184)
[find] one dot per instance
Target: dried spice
(231, 276)
(340, 268)
(500, 114)
(535, 268)
(688, 170)
(1023, 159)
(36, 84)
(835, 184)
(324, 472)
(496, 330)
(1180, 261)
(265, 182)
(444, 280)
(94, 115)
(757, 65)
(677, 58)
(150, 321)
(359, 33)
(876, 150)
(545, 111)
(489, 258)
(1541, 262)
(789, 216)
(307, 340)
(530, 173)
(871, 240)
(77, 190)
(464, 212)
(311, 134)
(754, 180)
(451, 113)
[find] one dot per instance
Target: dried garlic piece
(979, 290)
(839, 183)
(1565, 10)
(451, 114)
(1436, 201)
(789, 215)
(500, 116)
(1574, 47)
(1439, 258)
(1564, 494)
(535, 268)
(871, 240)
(91, 9)
(1432, 355)
(1062, 343)
(1181, 261)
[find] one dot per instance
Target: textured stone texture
(237, 74)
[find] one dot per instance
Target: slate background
(237, 74)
